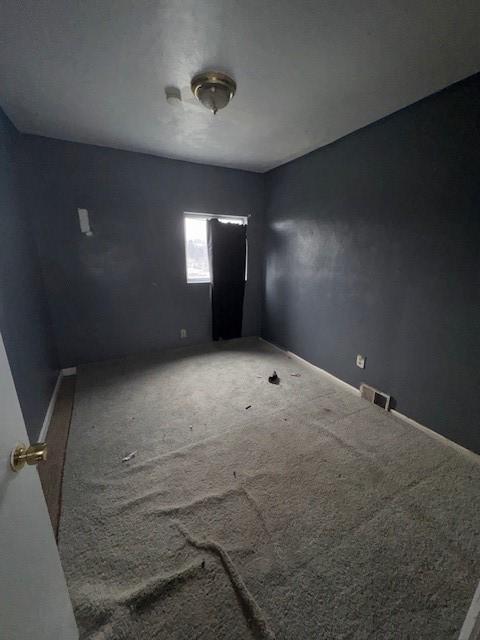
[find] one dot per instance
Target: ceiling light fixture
(213, 89)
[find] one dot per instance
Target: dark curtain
(227, 245)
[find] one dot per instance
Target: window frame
(205, 217)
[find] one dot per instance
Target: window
(196, 251)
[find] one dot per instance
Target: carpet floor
(251, 510)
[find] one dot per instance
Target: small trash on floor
(296, 375)
(129, 457)
(274, 379)
(203, 564)
(249, 407)
(191, 427)
(234, 474)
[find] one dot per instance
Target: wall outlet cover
(183, 333)
(361, 361)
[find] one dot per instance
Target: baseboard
(51, 406)
(333, 378)
(437, 436)
(471, 625)
(429, 432)
(71, 371)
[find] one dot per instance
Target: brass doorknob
(33, 454)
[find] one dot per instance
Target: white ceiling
(308, 71)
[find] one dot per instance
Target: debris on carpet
(129, 456)
(248, 407)
(274, 379)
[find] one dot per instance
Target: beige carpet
(312, 514)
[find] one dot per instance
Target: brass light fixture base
(213, 89)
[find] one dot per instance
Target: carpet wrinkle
(382, 506)
(253, 503)
(420, 514)
(237, 425)
(94, 610)
(254, 615)
(102, 609)
(279, 567)
(157, 587)
(342, 536)
(346, 445)
(199, 502)
(178, 508)
(183, 451)
(378, 469)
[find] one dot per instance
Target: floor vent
(375, 396)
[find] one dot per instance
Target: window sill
(203, 281)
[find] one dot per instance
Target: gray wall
(372, 247)
(24, 318)
(123, 290)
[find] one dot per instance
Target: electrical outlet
(361, 361)
(183, 333)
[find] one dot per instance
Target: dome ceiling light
(213, 89)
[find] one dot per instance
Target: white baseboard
(333, 378)
(341, 383)
(51, 405)
(429, 432)
(471, 625)
(437, 436)
(70, 371)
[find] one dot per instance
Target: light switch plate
(361, 361)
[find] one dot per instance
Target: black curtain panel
(227, 245)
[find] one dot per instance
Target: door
(34, 601)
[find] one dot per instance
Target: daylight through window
(196, 251)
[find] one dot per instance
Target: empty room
(239, 320)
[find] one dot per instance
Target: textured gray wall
(24, 318)
(123, 290)
(372, 247)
